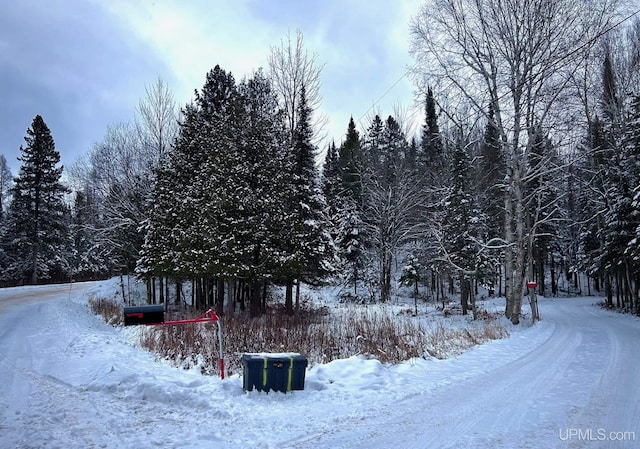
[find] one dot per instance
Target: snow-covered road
(576, 387)
(68, 380)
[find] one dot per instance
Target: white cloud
(364, 45)
(195, 36)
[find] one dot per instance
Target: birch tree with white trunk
(520, 58)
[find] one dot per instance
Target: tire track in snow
(559, 382)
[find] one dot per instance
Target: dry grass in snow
(323, 334)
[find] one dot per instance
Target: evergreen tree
(372, 157)
(220, 209)
(462, 237)
(432, 147)
(350, 242)
(36, 227)
(492, 170)
(390, 199)
(591, 177)
(264, 190)
(310, 242)
(331, 180)
(543, 210)
(347, 221)
(393, 151)
(350, 160)
(185, 233)
(411, 161)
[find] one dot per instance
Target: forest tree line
(526, 167)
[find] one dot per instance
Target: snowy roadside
(324, 330)
(83, 383)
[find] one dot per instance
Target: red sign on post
(532, 284)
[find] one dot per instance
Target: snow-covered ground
(68, 380)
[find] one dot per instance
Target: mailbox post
(153, 315)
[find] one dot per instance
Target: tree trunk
(255, 309)
(178, 292)
(618, 303)
(533, 300)
(499, 280)
(124, 296)
(540, 276)
(416, 293)
(355, 280)
(149, 294)
(241, 294)
(508, 252)
(193, 292)
(288, 297)
(472, 300)
(519, 268)
(554, 283)
(165, 301)
(608, 290)
(197, 304)
(231, 296)
(34, 265)
(465, 289)
(220, 297)
(263, 302)
(385, 276)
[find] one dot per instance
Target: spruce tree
(220, 198)
(331, 180)
(393, 151)
(432, 146)
(389, 199)
(492, 170)
(263, 190)
(350, 160)
(310, 244)
(372, 157)
(184, 233)
(463, 227)
(36, 226)
(349, 228)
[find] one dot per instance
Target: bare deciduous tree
(118, 172)
(6, 180)
(520, 57)
(157, 118)
(291, 66)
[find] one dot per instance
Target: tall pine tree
(36, 226)
(310, 253)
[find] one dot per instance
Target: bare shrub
(443, 342)
(321, 335)
(109, 309)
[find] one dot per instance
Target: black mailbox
(143, 314)
(277, 372)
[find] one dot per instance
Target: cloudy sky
(84, 64)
